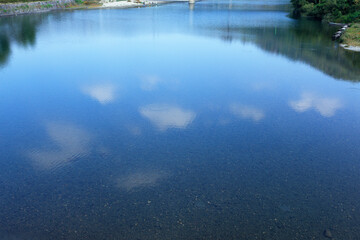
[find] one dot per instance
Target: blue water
(222, 120)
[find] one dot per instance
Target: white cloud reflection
(247, 112)
(141, 179)
(149, 83)
(166, 116)
(70, 142)
(327, 107)
(103, 93)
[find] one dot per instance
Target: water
(222, 120)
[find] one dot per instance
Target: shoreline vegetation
(333, 11)
(350, 40)
(14, 7)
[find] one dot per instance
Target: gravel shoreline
(350, 48)
(10, 9)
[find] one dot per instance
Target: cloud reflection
(141, 179)
(327, 107)
(103, 93)
(149, 83)
(247, 112)
(166, 116)
(70, 142)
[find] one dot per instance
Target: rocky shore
(9, 9)
(350, 39)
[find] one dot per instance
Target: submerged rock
(327, 233)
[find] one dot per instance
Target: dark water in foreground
(227, 121)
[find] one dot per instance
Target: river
(218, 120)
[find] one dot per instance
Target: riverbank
(344, 12)
(9, 9)
(350, 40)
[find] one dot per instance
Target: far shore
(20, 8)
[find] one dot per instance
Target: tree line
(344, 11)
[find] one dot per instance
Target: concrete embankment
(9, 9)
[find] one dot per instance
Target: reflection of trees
(266, 26)
(4, 48)
(19, 29)
(306, 41)
(26, 34)
(310, 42)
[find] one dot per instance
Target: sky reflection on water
(103, 93)
(169, 123)
(70, 142)
(166, 116)
(327, 107)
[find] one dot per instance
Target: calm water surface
(221, 120)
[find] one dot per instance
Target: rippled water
(219, 120)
